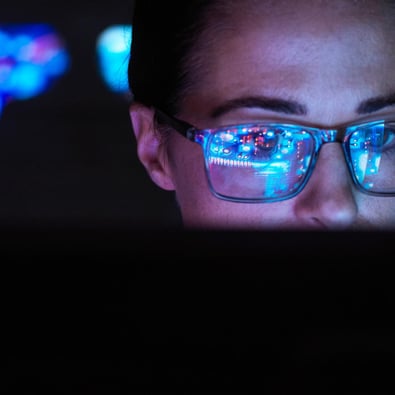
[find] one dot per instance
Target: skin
(332, 60)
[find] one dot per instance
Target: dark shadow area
(93, 314)
(68, 156)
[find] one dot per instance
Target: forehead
(309, 50)
(298, 9)
(225, 19)
(287, 32)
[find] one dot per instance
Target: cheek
(377, 210)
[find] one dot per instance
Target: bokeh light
(32, 56)
(113, 46)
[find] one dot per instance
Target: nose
(328, 200)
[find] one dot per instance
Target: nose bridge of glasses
(330, 136)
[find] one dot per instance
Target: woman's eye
(388, 139)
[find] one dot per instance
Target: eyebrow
(266, 103)
(376, 104)
(292, 107)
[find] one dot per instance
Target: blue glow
(26, 80)
(32, 56)
(113, 47)
(366, 147)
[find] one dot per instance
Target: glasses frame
(322, 136)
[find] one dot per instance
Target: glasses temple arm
(180, 126)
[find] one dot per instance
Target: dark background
(68, 156)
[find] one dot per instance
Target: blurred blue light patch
(32, 56)
(113, 46)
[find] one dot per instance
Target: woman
(264, 114)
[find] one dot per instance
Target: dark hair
(163, 35)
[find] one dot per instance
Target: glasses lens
(259, 163)
(372, 157)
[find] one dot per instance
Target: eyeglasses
(272, 161)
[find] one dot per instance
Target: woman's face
(334, 61)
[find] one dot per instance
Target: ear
(150, 150)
